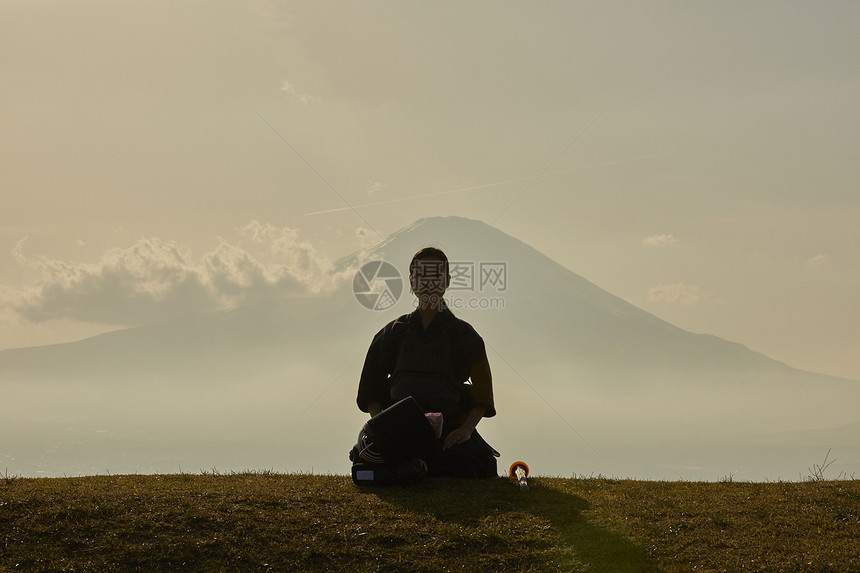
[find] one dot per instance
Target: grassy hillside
(276, 522)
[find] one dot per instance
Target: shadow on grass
(588, 546)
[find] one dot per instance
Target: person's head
(428, 273)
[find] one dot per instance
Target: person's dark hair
(428, 253)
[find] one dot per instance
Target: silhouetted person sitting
(440, 361)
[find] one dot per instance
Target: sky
(698, 159)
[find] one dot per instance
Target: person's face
(429, 279)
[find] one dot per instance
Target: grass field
(278, 522)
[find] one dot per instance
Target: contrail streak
(485, 186)
(318, 174)
(411, 197)
(541, 174)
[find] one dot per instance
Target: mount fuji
(585, 382)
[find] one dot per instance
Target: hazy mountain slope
(569, 359)
(549, 311)
(549, 314)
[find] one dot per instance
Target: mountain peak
(447, 233)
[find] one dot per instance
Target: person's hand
(457, 436)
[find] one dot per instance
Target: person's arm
(481, 392)
(481, 387)
(372, 387)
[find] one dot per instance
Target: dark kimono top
(467, 355)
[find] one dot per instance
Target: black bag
(400, 432)
(392, 473)
(391, 446)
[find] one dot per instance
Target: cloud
(678, 293)
(817, 260)
(366, 238)
(147, 281)
(290, 90)
(298, 257)
(660, 240)
(156, 280)
(8, 298)
(374, 187)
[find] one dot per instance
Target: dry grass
(281, 522)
